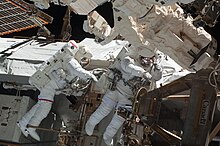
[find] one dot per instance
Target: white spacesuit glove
(159, 56)
(147, 75)
(92, 76)
(157, 66)
(156, 72)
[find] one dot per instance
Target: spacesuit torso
(121, 86)
(64, 74)
(62, 69)
(132, 74)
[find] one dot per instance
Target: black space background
(57, 12)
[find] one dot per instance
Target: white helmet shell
(78, 51)
(145, 52)
(83, 52)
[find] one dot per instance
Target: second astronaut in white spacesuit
(130, 66)
(70, 68)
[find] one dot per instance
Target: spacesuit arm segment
(129, 66)
(156, 72)
(76, 69)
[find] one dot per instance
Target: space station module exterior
(165, 28)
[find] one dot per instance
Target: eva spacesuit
(130, 66)
(60, 68)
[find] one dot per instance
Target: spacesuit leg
(45, 100)
(116, 122)
(102, 111)
(41, 113)
(22, 124)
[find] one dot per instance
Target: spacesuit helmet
(80, 52)
(83, 55)
(146, 57)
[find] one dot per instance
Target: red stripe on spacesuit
(46, 100)
(73, 44)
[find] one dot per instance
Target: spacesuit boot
(102, 111)
(111, 130)
(22, 124)
(23, 128)
(41, 112)
(33, 133)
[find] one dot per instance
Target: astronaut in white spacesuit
(59, 76)
(139, 64)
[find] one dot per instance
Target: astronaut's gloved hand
(147, 75)
(92, 76)
(157, 66)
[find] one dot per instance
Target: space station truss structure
(17, 15)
